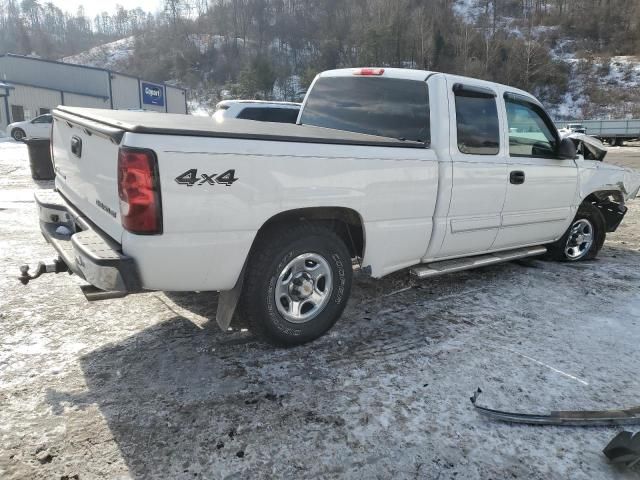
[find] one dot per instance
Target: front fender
(601, 177)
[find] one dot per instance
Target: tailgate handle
(76, 146)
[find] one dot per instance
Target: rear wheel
(17, 134)
(297, 283)
(583, 239)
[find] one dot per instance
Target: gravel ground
(148, 387)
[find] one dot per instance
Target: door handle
(516, 177)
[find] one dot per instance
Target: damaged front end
(589, 147)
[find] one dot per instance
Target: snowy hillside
(601, 88)
(586, 84)
(113, 56)
(597, 87)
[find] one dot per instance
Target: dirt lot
(148, 387)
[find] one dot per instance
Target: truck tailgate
(86, 164)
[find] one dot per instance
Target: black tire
(272, 252)
(18, 134)
(590, 213)
(619, 142)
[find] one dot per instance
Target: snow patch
(468, 10)
(112, 56)
(199, 109)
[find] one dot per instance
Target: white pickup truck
(386, 169)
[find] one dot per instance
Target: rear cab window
(386, 107)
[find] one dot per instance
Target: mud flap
(227, 303)
(613, 214)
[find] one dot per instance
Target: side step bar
(434, 269)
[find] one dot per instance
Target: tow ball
(56, 266)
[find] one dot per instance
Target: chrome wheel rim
(18, 135)
(580, 239)
(303, 288)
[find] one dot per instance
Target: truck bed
(115, 123)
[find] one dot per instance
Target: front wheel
(297, 283)
(18, 134)
(583, 239)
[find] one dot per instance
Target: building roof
(86, 67)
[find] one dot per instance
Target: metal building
(32, 86)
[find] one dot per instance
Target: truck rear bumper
(83, 247)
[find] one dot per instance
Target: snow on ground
(289, 89)
(112, 56)
(206, 41)
(147, 387)
(468, 10)
(199, 109)
(624, 71)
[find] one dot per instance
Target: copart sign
(152, 94)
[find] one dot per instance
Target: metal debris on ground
(624, 449)
(630, 416)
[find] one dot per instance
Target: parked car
(38, 127)
(387, 169)
(279, 112)
(576, 128)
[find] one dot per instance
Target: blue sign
(152, 94)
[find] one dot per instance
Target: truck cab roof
(422, 75)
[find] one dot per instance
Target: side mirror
(567, 149)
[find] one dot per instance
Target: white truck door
(479, 173)
(541, 189)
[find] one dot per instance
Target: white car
(386, 169)
(39, 127)
(263, 111)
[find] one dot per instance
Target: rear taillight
(139, 191)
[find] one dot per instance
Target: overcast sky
(94, 7)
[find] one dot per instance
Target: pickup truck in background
(387, 169)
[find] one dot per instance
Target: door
(479, 171)
(17, 113)
(40, 126)
(542, 188)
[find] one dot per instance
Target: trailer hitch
(57, 266)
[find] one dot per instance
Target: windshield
(386, 107)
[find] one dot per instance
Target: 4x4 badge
(191, 178)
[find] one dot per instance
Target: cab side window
(43, 119)
(529, 134)
(477, 121)
(266, 114)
